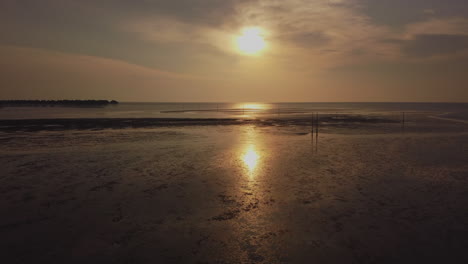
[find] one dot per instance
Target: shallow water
(226, 110)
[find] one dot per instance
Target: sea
(227, 110)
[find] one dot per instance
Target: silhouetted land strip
(118, 123)
(56, 102)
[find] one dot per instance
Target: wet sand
(240, 193)
(120, 123)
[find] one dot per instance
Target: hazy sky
(185, 50)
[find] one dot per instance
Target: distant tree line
(57, 102)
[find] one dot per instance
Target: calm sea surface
(227, 110)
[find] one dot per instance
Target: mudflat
(239, 193)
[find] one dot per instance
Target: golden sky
(234, 50)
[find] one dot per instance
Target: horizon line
(240, 102)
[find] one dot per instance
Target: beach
(234, 132)
(237, 192)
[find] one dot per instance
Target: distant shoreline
(32, 103)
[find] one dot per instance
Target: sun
(251, 41)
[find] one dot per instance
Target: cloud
(170, 31)
(308, 39)
(124, 44)
(432, 45)
(399, 13)
(208, 12)
(435, 38)
(429, 11)
(296, 28)
(305, 29)
(191, 11)
(453, 25)
(35, 73)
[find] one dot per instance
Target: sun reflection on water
(253, 106)
(250, 159)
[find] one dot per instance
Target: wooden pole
(316, 124)
(316, 131)
(312, 124)
(403, 120)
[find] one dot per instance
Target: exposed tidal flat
(365, 189)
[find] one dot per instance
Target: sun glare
(251, 158)
(251, 41)
(254, 106)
